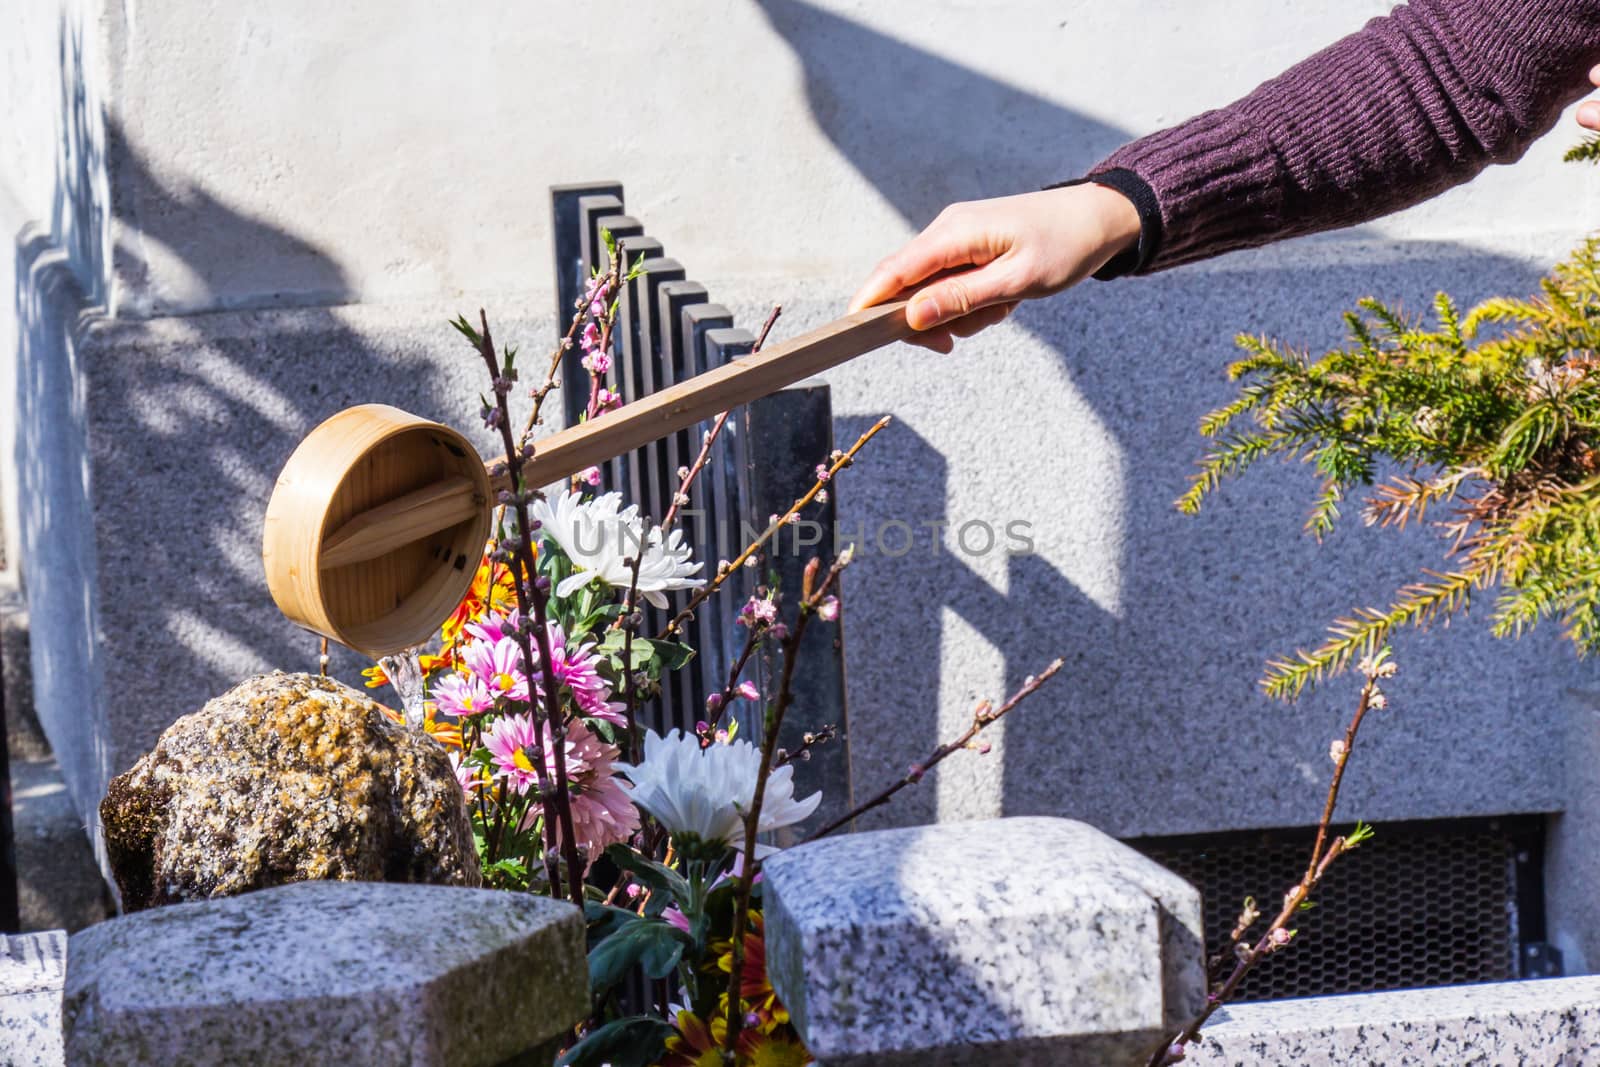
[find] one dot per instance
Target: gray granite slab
(1548, 1023)
(1040, 940)
(347, 973)
(32, 967)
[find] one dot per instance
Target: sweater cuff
(1138, 191)
(1216, 181)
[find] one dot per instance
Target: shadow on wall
(1142, 732)
(146, 587)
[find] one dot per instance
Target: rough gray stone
(1017, 941)
(32, 967)
(1549, 1023)
(347, 973)
(283, 778)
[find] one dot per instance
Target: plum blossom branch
(825, 474)
(812, 597)
(631, 619)
(533, 595)
(686, 476)
(983, 716)
(1278, 935)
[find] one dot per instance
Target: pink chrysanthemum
(469, 777)
(498, 665)
(512, 741)
(602, 814)
(577, 668)
(494, 626)
(462, 695)
(494, 662)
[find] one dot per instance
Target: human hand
(1589, 112)
(973, 263)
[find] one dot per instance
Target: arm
(1414, 103)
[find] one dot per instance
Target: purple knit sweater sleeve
(1416, 102)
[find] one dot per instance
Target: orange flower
(491, 591)
(376, 677)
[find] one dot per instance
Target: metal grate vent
(1422, 904)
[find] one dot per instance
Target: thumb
(957, 295)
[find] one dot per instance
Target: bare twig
(629, 620)
(842, 460)
(984, 715)
(534, 602)
(693, 471)
(810, 599)
(1278, 935)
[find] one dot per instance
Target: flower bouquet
(541, 686)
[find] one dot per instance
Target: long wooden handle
(739, 382)
(438, 507)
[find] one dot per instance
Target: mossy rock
(285, 778)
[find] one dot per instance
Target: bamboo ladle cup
(376, 525)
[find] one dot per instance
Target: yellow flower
(774, 1051)
(755, 988)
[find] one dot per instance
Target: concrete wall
(214, 176)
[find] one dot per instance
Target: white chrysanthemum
(700, 795)
(600, 536)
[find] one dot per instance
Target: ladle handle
(740, 381)
(444, 504)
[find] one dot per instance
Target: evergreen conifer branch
(1488, 423)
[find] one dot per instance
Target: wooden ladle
(377, 523)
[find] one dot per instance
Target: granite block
(352, 973)
(1547, 1023)
(31, 970)
(1039, 940)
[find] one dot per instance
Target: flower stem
(533, 602)
(752, 819)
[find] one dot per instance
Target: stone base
(32, 967)
(1550, 1023)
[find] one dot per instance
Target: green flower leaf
(653, 944)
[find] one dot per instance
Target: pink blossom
(461, 695)
(591, 475)
(673, 916)
(514, 744)
(498, 665)
(602, 814)
(828, 610)
(493, 627)
(713, 705)
(748, 691)
(597, 362)
(590, 340)
(823, 473)
(466, 774)
(597, 294)
(495, 663)
(758, 611)
(577, 668)
(605, 399)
